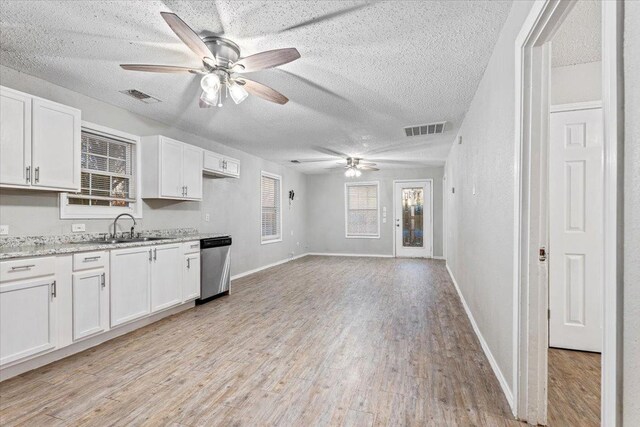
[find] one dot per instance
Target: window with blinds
(107, 172)
(270, 190)
(362, 216)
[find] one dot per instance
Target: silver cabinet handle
(150, 254)
(91, 258)
(103, 280)
(28, 174)
(188, 262)
(186, 190)
(196, 245)
(37, 174)
(155, 254)
(54, 289)
(22, 267)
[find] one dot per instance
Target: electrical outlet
(207, 217)
(78, 228)
(4, 230)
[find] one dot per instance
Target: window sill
(266, 242)
(362, 237)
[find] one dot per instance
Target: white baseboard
(485, 347)
(352, 255)
(438, 257)
(264, 267)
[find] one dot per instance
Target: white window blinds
(107, 172)
(361, 210)
(270, 195)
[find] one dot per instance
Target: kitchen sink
(122, 240)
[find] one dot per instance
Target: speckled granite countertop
(22, 247)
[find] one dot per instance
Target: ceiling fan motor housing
(224, 51)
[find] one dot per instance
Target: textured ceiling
(367, 69)
(579, 38)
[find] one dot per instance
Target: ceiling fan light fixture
(237, 92)
(209, 99)
(210, 83)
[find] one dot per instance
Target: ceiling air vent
(295, 161)
(141, 96)
(428, 129)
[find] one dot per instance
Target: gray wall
(325, 211)
(233, 204)
(480, 226)
(631, 324)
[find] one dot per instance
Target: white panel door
(575, 225)
(55, 146)
(192, 170)
(90, 303)
(130, 294)
(171, 168)
(166, 276)
(191, 279)
(15, 137)
(27, 318)
(412, 219)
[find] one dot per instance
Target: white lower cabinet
(166, 276)
(90, 303)
(130, 278)
(27, 318)
(191, 278)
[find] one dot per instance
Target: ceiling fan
(221, 65)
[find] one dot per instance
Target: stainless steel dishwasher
(215, 263)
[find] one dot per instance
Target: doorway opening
(413, 218)
(567, 279)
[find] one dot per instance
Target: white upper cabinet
(15, 137)
(40, 143)
(218, 165)
(172, 169)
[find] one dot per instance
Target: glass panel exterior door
(412, 218)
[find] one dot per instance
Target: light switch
(77, 228)
(4, 230)
(207, 217)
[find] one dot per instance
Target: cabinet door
(171, 168)
(129, 283)
(166, 276)
(55, 146)
(213, 162)
(191, 280)
(231, 167)
(15, 137)
(90, 303)
(27, 318)
(192, 169)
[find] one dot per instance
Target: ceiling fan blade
(159, 68)
(312, 160)
(326, 17)
(336, 168)
(187, 35)
(264, 92)
(368, 168)
(331, 152)
(268, 59)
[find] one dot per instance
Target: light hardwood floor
(318, 341)
(574, 388)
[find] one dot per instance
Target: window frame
(278, 238)
(69, 211)
(346, 209)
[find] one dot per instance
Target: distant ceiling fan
(221, 63)
(354, 165)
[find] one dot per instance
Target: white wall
(576, 83)
(480, 226)
(233, 204)
(325, 205)
(631, 324)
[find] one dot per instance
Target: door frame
(531, 202)
(393, 206)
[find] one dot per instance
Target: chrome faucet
(115, 221)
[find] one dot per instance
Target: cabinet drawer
(26, 268)
(191, 247)
(87, 260)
